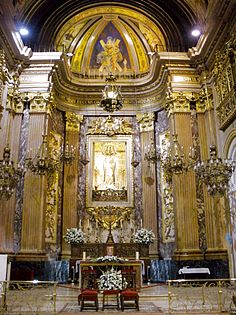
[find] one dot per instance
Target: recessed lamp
(24, 31)
(196, 32)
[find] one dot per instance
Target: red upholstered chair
(129, 297)
(88, 298)
(89, 279)
(106, 299)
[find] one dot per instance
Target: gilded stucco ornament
(146, 121)
(4, 73)
(54, 141)
(224, 74)
(110, 126)
(110, 217)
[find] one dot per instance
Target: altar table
(134, 264)
(193, 272)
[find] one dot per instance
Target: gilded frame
(115, 151)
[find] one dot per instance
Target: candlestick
(84, 255)
(137, 256)
(73, 273)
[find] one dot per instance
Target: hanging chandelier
(46, 160)
(43, 162)
(171, 158)
(215, 173)
(9, 175)
(111, 95)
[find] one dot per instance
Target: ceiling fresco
(110, 39)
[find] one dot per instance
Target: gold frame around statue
(109, 173)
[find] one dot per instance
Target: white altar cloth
(186, 270)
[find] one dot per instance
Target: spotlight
(24, 31)
(196, 32)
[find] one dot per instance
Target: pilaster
(35, 186)
(149, 184)
(70, 184)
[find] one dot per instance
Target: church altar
(136, 257)
(135, 265)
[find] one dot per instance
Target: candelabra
(151, 155)
(67, 154)
(175, 158)
(215, 172)
(9, 175)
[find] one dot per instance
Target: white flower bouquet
(111, 279)
(109, 259)
(74, 236)
(144, 236)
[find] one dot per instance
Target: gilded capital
(73, 121)
(146, 121)
(180, 102)
(41, 102)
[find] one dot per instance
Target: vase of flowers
(74, 236)
(111, 279)
(144, 236)
(109, 259)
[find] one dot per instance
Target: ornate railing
(31, 297)
(216, 295)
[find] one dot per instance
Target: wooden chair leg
(82, 304)
(96, 304)
(122, 303)
(137, 303)
(117, 302)
(103, 302)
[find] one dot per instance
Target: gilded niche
(110, 177)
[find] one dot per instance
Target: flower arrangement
(111, 279)
(109, 259)
(144, 236)
(74, 236)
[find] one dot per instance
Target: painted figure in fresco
(110, 56)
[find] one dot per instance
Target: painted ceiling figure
(110, 56)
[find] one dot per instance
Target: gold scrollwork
(146, 121)
(110, 126)
(110, 217)
(52, 194)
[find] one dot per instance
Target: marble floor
(153, 298)
(156, 298)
